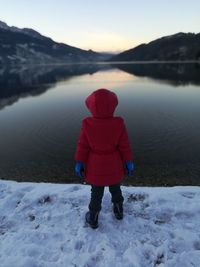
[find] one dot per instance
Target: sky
(103, 25)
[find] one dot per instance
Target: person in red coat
(103, 154)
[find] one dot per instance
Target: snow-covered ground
(42, 225)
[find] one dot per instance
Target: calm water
(41, 110)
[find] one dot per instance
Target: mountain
(27, 46)
(180, 46)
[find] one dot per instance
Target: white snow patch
(55, 46)
(5, 45)
(25, 46)
(3, 25)
(43, 225)
(11, 57)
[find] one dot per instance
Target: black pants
(97, 195)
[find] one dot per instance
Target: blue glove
(79, 169)
(130, 167)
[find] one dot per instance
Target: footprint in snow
(159, 260)
(163, 217)
(183, 215)
(45, 199)
(6, 226)
(79, 244)
(74, 188)
(27, 189)
(196, 245)
(137, 197)
(94, 260)
(188, 194)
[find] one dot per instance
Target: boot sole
(118, 217)
(93, 226)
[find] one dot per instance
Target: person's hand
(129, 167)
(79, 169)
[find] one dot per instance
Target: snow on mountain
(3, 25)
(33, 33)
(27, 31)
(39, 49)
(43, 225)
(177, 47)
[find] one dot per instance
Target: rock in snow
(43, 225)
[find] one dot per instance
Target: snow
(5, 46)
(179, 34)
(26, 54)
(55, 46)
(32, 33)
(3, 25)
(43, 225)
(27, 31)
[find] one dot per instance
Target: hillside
(180, 46)
(26, 46)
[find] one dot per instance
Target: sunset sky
(106, 25)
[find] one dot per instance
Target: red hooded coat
(103, 143)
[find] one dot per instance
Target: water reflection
(39, 134)
(23, 81)
(174, 73)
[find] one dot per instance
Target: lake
(41, 109)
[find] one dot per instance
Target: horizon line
(97, 50)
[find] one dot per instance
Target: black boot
(92, 219)
(118, 210)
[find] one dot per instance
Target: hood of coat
(102, 103)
